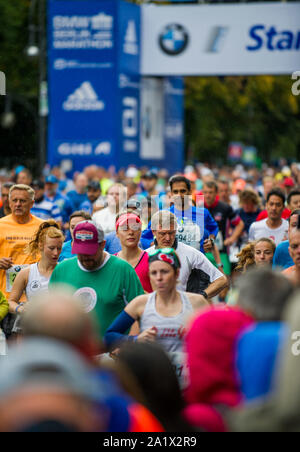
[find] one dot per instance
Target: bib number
(11, 274)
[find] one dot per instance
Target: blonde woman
(254, 254)
(257, 253)
(34, 279)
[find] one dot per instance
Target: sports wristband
(204, 294)
(19, 305)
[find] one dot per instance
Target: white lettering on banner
(61, 64)
(97, 22)
(296, 85)
(129, 117)
(103, 148)
(130, 146)
(130, 44)
(84, 98)
(75, 149)
(69, 149)
(125, 82)
(83, 32)
(174, 131)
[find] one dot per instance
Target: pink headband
(123, 219)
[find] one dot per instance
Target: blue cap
(51, 179)
(19, 169)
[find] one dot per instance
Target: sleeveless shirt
(36, 282)
(170, 330)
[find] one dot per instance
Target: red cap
(87, 236)
(288, 182)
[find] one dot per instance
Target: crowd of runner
(142, 301)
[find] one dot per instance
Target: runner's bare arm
(17, 290)
(136, 307)
(215, 287)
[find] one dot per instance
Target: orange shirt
(13, 239)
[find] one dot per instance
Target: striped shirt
(46, 209)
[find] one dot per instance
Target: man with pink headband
(105, 283)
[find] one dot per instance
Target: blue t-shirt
(77, 198)
(46, 209)
(87, 206)
(65, 205)
(282, 256)
(194, 226)
(257, 351)
(66, 251)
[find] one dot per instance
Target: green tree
(19, 144)
(256, 110)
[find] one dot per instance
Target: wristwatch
(220, 265)
(204, 294)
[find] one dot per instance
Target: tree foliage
(19, 143)
(257, 110)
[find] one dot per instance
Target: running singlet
(142, 270)
(36, 282)
(170, 330)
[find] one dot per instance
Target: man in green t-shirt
(105, 283)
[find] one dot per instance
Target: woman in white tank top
(163, 314)
(34, 279)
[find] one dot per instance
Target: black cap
(93, 184)
(150, 175)
(38, 183)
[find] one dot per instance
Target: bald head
(61, 316)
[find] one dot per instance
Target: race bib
(11, 274)
(178, 360)
(189, 233)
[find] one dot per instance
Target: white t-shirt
(259, 229)
(190, 259)
(106, 219)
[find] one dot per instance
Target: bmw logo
(174, 39)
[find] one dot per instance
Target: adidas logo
(84, 98)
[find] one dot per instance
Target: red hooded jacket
(213, 381)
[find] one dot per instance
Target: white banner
(239, 39)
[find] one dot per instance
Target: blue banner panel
(129, 38)
(82, 82)
(128, 120)
(174, 122)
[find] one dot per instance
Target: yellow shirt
(13, 239)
